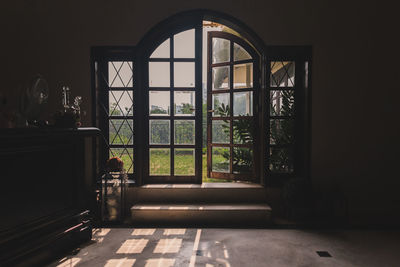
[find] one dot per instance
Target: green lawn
(211, 180)
(184, 164)
(160, 163)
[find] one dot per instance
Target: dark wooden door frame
(145, 52)
(100, 56)
(254, 176)
(301, 56)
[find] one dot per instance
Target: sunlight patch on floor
(195, 248)
(143, 231)
(160, 262)
(125, 262)
(101, 231)
(168, 246)
(69, 262)
(174, 231)
(133, 246)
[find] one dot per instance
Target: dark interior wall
(355, 125)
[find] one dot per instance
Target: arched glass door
(174, 110)
(232, 113)
(251, 133)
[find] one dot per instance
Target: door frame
(146, 49)
(254, 176)
(100, 56)
(190, 19)
(301, 56)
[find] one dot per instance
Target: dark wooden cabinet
(47, 185)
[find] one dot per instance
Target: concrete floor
(208, 247)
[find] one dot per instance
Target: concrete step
(201, 214)
(205, 193)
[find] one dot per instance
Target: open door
(232, 88)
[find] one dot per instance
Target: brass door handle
(210, 110)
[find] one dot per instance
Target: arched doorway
(179, 129)
(175, 101)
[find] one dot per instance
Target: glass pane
(282, 103)
(239, 53)
(120, 103)
(282, 74)
(184, 103)
(160, 161)
(184, 161)
(120, 74)
(120, 132)
(162, 51)
(243, 104)
(243, 131)
(220, 78)
(281, 160)
(220, 159)
(159, 74)
(184, 132)
(159, 132)
(220, 104)
(281, 131)
(220, 50)
(159, 103)
(243, 76)
(184, 44)
(126, 155)
(184, 74)
(242, 160)
(220, 132)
